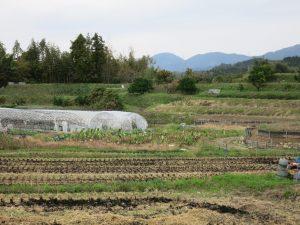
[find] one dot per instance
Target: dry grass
(283, 211)
(41, 143)
(223, 127)
(252, 107)
(283, 126)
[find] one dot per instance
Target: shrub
(105, 99)
(140, 86)
(2, 100)
(218, 79)
(164, 76)
(287, 87)
(19, 101)
(261, 73)
(297, 77)
(171, 87)
(241, 87)
(8, 142)
(281, 68)
(61, 101)
(3, 81)
(82, 100)
(187, 85)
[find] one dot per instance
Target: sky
(183, 27)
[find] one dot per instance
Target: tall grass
(8, 142)
(230, 106)
(46, 92)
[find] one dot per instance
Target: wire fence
(270, 144)
(284, 134)
(232, 122)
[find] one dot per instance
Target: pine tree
(43, 48)
(6, 71)
(80, 56)
(17, 50)
(32, 56)
(98, 58)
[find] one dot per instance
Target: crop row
(12, 178)
(142, 161)
(134, 159)
(82, 168)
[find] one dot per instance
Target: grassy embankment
(46, 92)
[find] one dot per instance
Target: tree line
(88, 60)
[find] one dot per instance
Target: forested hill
(233, 69)
(289, 63)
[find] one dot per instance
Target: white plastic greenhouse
(69, 120)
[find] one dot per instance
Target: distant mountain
(207, 61)
(210, 60)
(283, 53)
(169, 61)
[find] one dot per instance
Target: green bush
(3, 81)
(2, 100)
(281, 68)
(61, 101)
(81, 100)
(164, 76)
(287, 87)
(105, 99)
(187, 85)
(140, 86)
(261, 73)
(19, 101)
(297, 77)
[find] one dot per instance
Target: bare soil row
(138, 166)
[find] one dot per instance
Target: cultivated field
(200, 172)
(142, 190)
